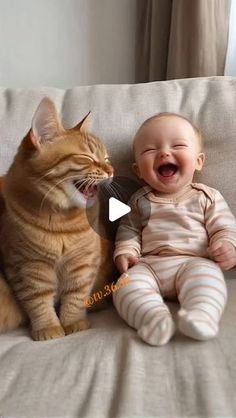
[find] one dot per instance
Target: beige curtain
(181, 38)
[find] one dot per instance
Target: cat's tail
(11, 314)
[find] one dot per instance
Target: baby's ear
(136, 169)
(85, 124)
(200, 161)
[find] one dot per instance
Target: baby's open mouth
(88, 191)
(167, 170)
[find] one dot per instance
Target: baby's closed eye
(180, 146)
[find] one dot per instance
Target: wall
(63, 43)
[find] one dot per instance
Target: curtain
(230, 62)
(181, 38)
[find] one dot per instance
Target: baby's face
(167, 152)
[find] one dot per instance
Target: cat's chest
(61, 246)
(63, 241)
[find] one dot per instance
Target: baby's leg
(140, 304)
(202, 294)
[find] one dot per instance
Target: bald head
(148, 128)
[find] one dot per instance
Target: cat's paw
(80, 325)
(48, 333)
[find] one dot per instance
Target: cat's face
(69, 171)
(63, 167)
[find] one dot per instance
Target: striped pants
(197, 283)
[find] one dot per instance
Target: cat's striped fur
(49, 251)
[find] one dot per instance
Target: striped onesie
(170, 236)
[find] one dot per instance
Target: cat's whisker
(114, 191)
(45, 175)
(118, 186)
(105, 189)
(105, 193)
(73, 194)
(89, 182)
(75, 176)
(86, 182)
(50, 190)
(79, 185)
(51, 171)
(83, 184)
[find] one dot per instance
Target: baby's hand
(124, 261)
(224, 253)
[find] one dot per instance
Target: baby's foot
(197, 324)
(158, 330)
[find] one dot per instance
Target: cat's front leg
(73, 312)
(35, 286)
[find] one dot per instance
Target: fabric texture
(181, 38)
(107, 371)
(184, 225)
(171, 240)
(197, 283)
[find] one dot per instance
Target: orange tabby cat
(49, 252)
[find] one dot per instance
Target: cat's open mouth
(88, 191)
(167, 170)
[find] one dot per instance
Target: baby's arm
(128, 239)
(124, 261)
(221, 228)
(224, 253)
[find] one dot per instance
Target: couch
(107, 371)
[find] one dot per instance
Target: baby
(176, 240)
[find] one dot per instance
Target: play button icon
(117, 209)
(112, 203)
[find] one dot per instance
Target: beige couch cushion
(108, 371)
(118, 110)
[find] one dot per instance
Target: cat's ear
(46, 124)
(85, 124)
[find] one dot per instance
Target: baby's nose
(164, 152)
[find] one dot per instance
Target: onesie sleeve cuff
(224, 237)
(123, 251)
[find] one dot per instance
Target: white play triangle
(117, 209)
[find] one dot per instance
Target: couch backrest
(118, 110)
